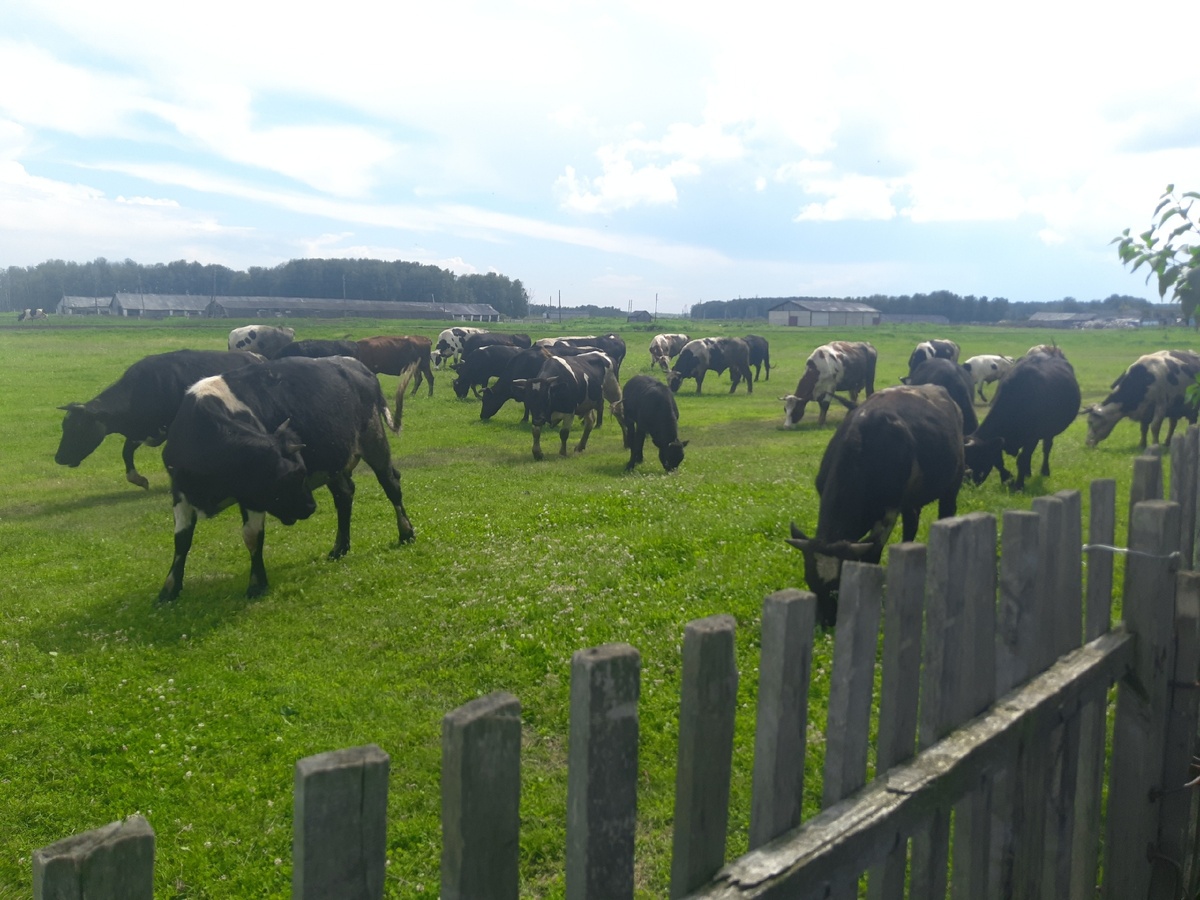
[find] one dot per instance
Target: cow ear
(71, 407)
(683, 443)
(520, 383)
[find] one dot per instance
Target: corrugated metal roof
(1062, 317)
(383, 307)
(155, 302)
(826, 306)
(70, 302)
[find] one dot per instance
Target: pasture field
(194, 713)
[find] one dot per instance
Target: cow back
(957, 382)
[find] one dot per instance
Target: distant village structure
(822, 314)
(165, 306)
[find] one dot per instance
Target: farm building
(639, 315)
(1061, 319)
(822, 313)
(84, 306)
(158, 306)
(267, 307)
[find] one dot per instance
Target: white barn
(822, 313)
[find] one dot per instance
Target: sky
(647, 155)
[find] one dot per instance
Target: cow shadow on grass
(117, 498)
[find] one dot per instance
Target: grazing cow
(526, 365)
(265, 340)
(716, 354)
(263, 437)
(473, 342)
(898, 451)
(476, 368)
(1045, 350)
(449, 344)
(140, 404)
(32, 314)
(566, 387)
(400, 355)
(935, 349)
(1036, 401)
(760, 354)
(957, 382)
(986, 369)
(647, 407)
(315, 349)
(836, 366)
(665, 347)
(1153, 388)
(611, 344)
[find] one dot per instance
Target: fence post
(781, 727)
(602, 768)
(481, 799)
(1147, 481)
(706, 719)
(1183, 490)
(115, 862)
(1101, 530)
(1138, 742)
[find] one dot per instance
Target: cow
(647, 407)
(1152, 389)
(478, 341)
(760, 354)
(1036, 401)
(986, 369)
(566, 387)
(836, 366)
(448, 345)
(611, 344)
(665, 347)
(1046, 350)
(934, 349)
(898, 451)
(315, 349)
(958, 384)
(400, 355)
(140, 404)
(32, 314)
(509, 385)
(264, 437)
(265, 340)
(716, 354)
(477, 368)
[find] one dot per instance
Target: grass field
(194, 713)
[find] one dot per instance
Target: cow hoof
(538, 457)
(137, 479)
(167, 594)
(338, 552)
(256, 590)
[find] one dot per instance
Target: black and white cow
(479, 367)
(712, 354)
(449, 343)
(510, 384)
(264, 437)
(140, 404)
(473, 342)
(987, 368)
(760, 354)
(647, 407)
(957, 382)
(836, 366)
(665, 347)
(31, 314)
(898, 451)
(566, 387)
(1036, 401)
(611, 344)
(1152, 389)
(934, 349)
(315, 349)
(265, 340)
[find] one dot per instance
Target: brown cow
(398, 355)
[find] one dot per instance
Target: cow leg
(1047, 443)
(379, 458)
(341, 486)
(564, 433)
(423, 371)
(910, 519)
(699, 381)
(824, 406)
(1024, 466)
(637, 444)
(537, 440)
(1155, 427)
(254, 530)
(131, 473)
(185, 529)
(589, 422)
(397, 422)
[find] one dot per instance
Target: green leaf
(1167, 279)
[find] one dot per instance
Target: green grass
(194, 713)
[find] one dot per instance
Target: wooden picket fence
(989, 756)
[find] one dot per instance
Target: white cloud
(850, 197)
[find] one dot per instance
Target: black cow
(1036, 401)
(898, 451)
(613, 345)
(140, 404)
(958, 383)
(316, 349)
(717, 354)
(566, 387)
(478, 367)
(760, 355)
(263, 437)
(935, 349)
(481, 339)
(647, 407)
(510, 385)
(1152, 389)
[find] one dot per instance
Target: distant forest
(44, 285)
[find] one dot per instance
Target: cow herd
(267, 421)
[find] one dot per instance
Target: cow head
(674, 380)
(671, 455)
(460, 386)
(981, 456)
(1101, 420)
(823, 567)
(82, 432)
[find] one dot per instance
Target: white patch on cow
(185, 516)
(828, 568)
(216, 387)
(254, 525)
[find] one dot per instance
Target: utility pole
(656, 306)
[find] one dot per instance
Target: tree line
(45, 284)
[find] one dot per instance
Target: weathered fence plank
(706, 720)
(1102, 532)
(781, 729)
(1147, 483)
(1138, 741)
(602, 768)
(1183, 490)
(339, 830)
(481, 799)
(115, 862)
(899, 692)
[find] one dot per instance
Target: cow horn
(291, 446)
(800, 540)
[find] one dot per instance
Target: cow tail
(405, 377)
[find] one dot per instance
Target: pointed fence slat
(115, 862)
